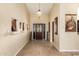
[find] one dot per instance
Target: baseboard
(68, 50)
(21, 47)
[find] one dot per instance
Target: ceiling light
(39, 13)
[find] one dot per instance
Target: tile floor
(43, 48)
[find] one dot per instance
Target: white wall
(10, 44)
(43, 19)
(69, 41)
(55, 12)
(65, 41)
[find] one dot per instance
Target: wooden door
(38, 31)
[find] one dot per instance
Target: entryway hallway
(42, 48)
(24, 28)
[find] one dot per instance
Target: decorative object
(56, 25)
(13, 25)
(39, 13)
(70, 21)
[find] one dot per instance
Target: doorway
(53, 31)
(38, 31)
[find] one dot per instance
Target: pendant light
(39, 13)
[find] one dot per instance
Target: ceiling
(44, 7)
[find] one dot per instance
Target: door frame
(33, 29)
(53, 31)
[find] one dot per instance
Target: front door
(38, 31)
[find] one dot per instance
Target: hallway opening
(38, 31)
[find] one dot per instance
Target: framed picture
(78, 26)
(56, 25)
(13, 25)
(20, 25)
(48, 26)
(23, 26)
(70, 22)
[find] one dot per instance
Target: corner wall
(55, 12)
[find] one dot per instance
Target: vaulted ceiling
(34, 7)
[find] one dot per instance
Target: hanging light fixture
(39, 13)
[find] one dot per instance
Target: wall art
(56, 25)
(70, 22)
(13, 25)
